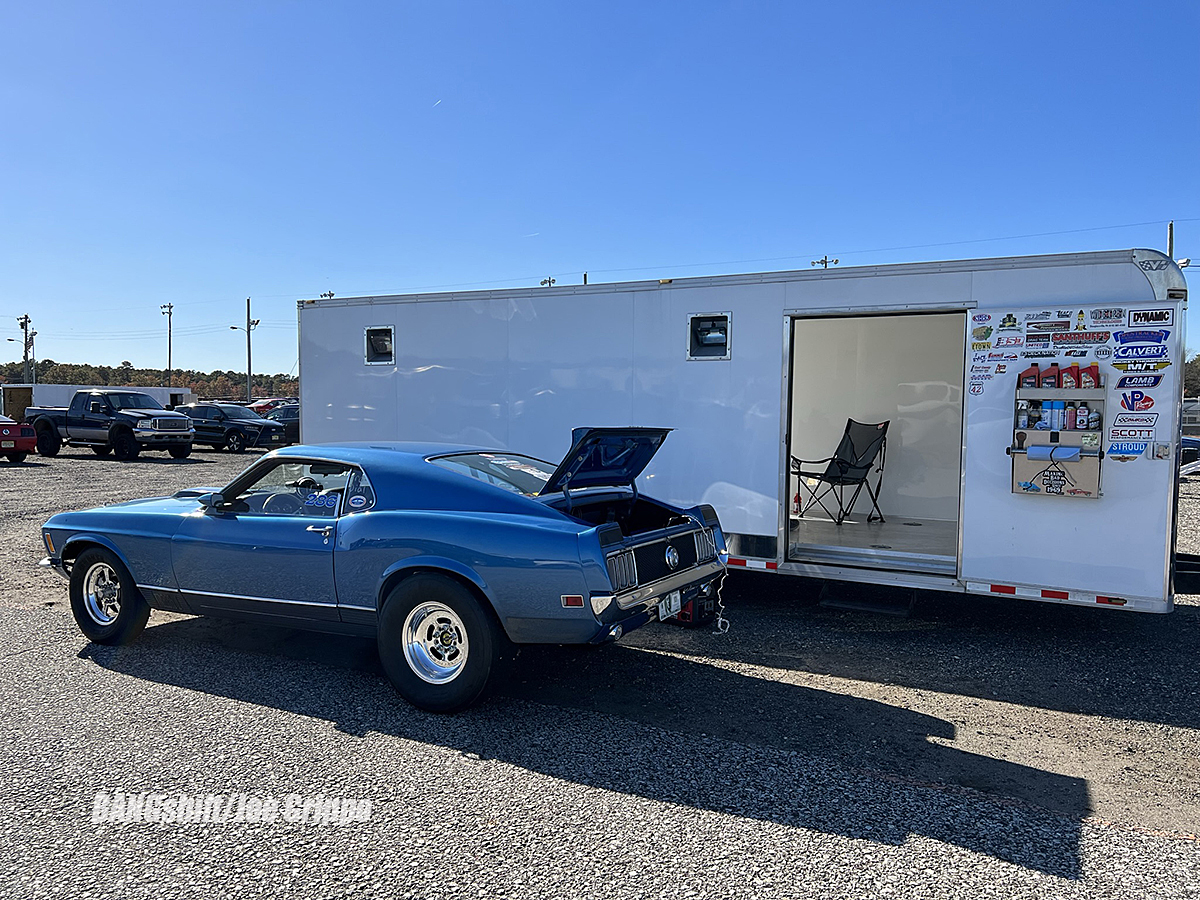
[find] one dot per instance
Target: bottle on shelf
(1069, 376)
(1049, 376)
(1089, 376)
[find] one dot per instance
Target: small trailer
(1021, 417)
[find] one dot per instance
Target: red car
(16, 441)
(262, 407)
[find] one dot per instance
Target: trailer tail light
(1055, 595)
(622, 570)
(1111, 601)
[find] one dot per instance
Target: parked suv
(232, 427)
(289, 417)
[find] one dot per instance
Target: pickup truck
(119, 421)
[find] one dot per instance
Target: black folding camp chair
(847, 470)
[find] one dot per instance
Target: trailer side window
(381, 348)
(708, 336)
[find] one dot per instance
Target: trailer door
(1071, 447)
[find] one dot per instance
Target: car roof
(388, 454)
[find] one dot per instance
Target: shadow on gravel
(624, 719)
(1104, 662)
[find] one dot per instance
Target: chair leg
(816, 497)
(875, 501)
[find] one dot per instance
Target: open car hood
(605, 457)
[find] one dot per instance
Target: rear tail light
(622, 570)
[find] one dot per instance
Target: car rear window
(511, 471)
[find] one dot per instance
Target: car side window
(360, 496)
(296, 488)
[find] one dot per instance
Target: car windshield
(511, 471)
(240, 412)
(133, 401)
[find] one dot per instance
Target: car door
(268, 551)
(200, 421)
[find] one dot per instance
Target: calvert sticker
(1134, 420)
(1155, 336)
(1151, 317)
(1080, 337)
(1140, 365)
(1141, 351)
(1137, 401)
(1139, 381)
(1123, 451)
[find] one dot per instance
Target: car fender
(101, 540)
(394, 573)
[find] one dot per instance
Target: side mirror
(214, 500)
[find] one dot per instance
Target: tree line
(216, 385)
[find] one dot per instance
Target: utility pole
(251, 324)
(166, 311)
(24, 323)
(1171, 239)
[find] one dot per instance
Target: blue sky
(203, 153)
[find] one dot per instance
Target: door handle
(324, 531)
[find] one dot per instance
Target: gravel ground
(979, 747)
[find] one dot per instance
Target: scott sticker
(1151, 317)
(1136, 401)
(1131, 434)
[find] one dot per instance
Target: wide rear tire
(108, 607)
(438, 645)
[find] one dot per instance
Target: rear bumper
(268, 439)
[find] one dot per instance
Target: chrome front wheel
(102, 593)
(436, 646)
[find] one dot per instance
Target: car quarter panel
(522, 564)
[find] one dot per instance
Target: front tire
(235, 442)
(103, 450)
(48, 442)
(182, 452)
(107, 605)
(437, 643)
(125, 447)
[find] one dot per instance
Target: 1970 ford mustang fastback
(448, 555)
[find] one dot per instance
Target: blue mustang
(448, 555)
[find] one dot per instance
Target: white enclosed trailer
(1063, 489)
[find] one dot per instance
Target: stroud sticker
(1141, 351)
(1137, 401)
(1123, 451)
(1140, 365)
(1139, 381)
(1151, 317)
(1155, 336)
(1145, 420)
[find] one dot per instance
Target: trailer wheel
(48, 441)
(125, 446)
(438, 645)
(106, 604)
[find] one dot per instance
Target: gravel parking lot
(979, 747)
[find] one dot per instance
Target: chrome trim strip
(670, 583)
(241, 597)
(352, 606)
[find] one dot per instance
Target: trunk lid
(605, 457)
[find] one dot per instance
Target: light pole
(167, 309)
(251, 324)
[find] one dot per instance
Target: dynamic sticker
(1155, 336)
(1138, 317)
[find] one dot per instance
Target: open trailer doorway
(902, 371)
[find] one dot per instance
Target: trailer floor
(908, 544)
